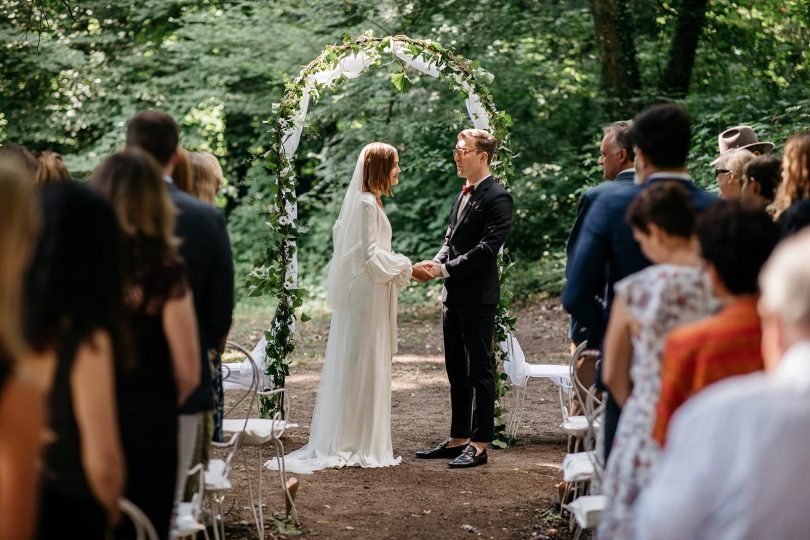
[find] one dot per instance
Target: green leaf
(497, 443)
(400, 81)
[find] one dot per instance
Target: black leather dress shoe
(442, 451)
(468, 458)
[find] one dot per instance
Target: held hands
(425, 271)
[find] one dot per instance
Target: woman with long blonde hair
(21, 407)
(206, 176)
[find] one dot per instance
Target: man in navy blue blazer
(605, 250)
(616, 157)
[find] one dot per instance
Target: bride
(351, 424)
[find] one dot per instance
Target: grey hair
(785, 281)
(621, 136)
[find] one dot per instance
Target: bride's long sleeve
(382, 265)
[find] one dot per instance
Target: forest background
(73, 72)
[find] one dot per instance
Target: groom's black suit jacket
(471, 245)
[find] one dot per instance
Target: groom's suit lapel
(454, 212)
(477, 195)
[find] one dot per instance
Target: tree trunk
(684, 45)
(615, 36)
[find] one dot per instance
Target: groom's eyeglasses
(463, 151)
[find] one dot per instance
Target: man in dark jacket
(606, 251)
(616, 157)
(206, 250)
(480, 220)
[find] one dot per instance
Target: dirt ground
(508, 498)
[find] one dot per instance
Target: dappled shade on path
(508, 498)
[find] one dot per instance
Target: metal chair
(217, 473)
(574, 425)
(258, 432)
(190, 518)
(582, 471)
(144, 530)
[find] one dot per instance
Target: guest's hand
(421, 272)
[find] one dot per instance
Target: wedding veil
(345, 241)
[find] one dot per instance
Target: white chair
(582, 471)
(190, 518)
(576, 426)
(217, 473)
(144, 530)
(258, 432)
(520, 372)
(578, 467)
(586, 510)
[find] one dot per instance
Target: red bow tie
(466, 189)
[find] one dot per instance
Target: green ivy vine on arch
(278, 276)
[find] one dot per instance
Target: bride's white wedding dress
(351, 424)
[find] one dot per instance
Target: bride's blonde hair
(377, 165)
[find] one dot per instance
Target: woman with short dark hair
(647, 305)
(761, 178)
(735, 242)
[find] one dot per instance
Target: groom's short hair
(484, 141)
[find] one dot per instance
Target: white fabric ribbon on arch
(350, 66)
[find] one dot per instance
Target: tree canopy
(73, 72)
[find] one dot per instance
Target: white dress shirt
(736, 462)
(462, 203)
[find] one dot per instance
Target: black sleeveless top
(5, 370)
(63, 470)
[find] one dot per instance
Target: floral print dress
(659, 299)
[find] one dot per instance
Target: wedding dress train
(351, 424)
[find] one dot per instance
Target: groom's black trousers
(470, 361)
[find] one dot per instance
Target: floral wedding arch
(334, 65)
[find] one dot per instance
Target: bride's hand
(421, 271)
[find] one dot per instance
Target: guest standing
(51, 169)
(206, 250)
(735, 465)
(648, 304)
(791, 206)
(616, 156)
(21, 407)
(761, 178)
(729, 173)
(161, 315)
(73, 313)
(206, 181)
(606, 251)
(735, 242)
(206, 175)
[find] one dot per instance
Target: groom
(479, 223)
